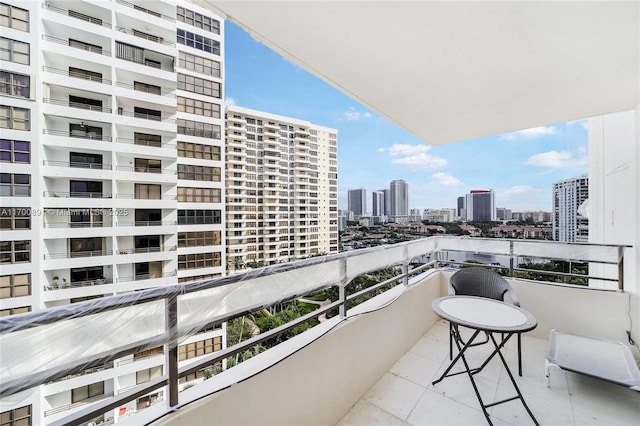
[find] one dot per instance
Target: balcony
(77, 15)
(77, 44)
(397, 325)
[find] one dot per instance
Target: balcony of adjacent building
(77, 75)
(141, 221)
(145, 274)
(137, 59)
(76, 222)
(73, 164)
(146, 195)
(145, 88)
(76, 44)
(146, 116)
(147, 248)
(61, 253)
(65, 102)
(68, 133)
(161, 15)
(85, 16)
(146, 169)
(65, 192)
(136, 141)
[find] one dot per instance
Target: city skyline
(520, 167)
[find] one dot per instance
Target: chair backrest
(481, 282)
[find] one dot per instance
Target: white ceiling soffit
(448, 70)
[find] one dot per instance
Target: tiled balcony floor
(405, 395)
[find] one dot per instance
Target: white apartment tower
(112, 171)
(399, 200)
(569, 226)
(282, 196)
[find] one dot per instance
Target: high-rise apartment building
(357, 201)
(399, 200)
(377, 203)
(282, 188)
(461, 210)
(503, 213)
(569, 225)
(112, 170)
(387, 201)
(480, 205)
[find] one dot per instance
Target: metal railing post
(342, 291)
(621, 269)
(511, 259)
(171, 308)
(405, 266)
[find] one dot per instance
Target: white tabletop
(484, 314)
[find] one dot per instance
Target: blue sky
(520, 167)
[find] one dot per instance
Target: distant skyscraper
(568, 195)
(503, 213)
(377, 203)
(387, 202)
(357, 201)
(461, 210)
(399, 195)
(481, 205)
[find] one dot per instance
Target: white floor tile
(416, 368)
(366, 414)
(395, 395)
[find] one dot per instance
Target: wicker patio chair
(481, 282)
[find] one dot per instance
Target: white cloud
(583, 123)
(446, 179)
(519, 190)
(557, 160)
(229, 102)
(528, 134)
(381, 150)
(415, 156)
(355, 115)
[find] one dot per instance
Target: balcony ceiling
(448, 71)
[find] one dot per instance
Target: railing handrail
(133, 197)
(62, 41)
(140, 277)
(133, 87)
(72, 254)
(147, 11)
(74, 14)
(145, 116)
(62, 194)
(142, 34)
(77, 164)
(343, 267)
(76, 105)
(152, 170)
(71, 74)
(72, 135)
(145, 63)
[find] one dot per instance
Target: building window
(198, 260)
(196, 150)
(202, 347)
(148, 88)
(201, 173)
(199, 217)
(143, 376)
(149, 352)
(194, 106)
(12, 84)
(15, 151)
(86, 392)
(198, 239)
(15, 218)
(198, 85)
(199, 195)
(147, 139)
(15, 185)
(18, 19)
(148, 165)
(15, 118)
(85, 74)
(88, 274)
(81, 247)
(198, 42)
(148, 191)
(15, 251)
(16, 417)
(85, 189)
(194, 278)
(197, 20)
(196, 128)
(15, 311)
(199, 64)
(14, 51)
(17, 285)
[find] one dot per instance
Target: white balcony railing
(129, 323)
